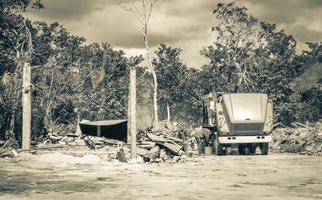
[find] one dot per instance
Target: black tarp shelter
(113, 129)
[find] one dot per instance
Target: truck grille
(248, 127)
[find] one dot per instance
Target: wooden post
(26, 105)
(132, 119)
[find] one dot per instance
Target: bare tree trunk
(133, 111)
(12, 120)
(26, 114)
(168, 113)
(152, 70)
(13, 115)
(50, 99)
(155, 97)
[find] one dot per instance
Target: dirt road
(277, 176)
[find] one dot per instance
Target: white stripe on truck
(244, 139)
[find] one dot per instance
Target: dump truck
(243, 121)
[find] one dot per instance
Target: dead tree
(142, 9)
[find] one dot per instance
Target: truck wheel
(253, 149)
(218, 148)
(228, 151)
(264, 148)
(247, 150)
(241, 150)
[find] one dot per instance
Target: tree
(142, 10)
(57, 56)
(15, 50)
(180, 87)
(252, 56)
(74, 80)
(19, 5)
(234, 55)
(170, 75)
(309, 83)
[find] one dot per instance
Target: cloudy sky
(179, 23)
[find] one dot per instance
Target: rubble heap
(164, 142)
(8, 147)
(159, 143)
(300, 138)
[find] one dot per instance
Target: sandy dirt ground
(59, 176)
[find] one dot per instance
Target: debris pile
(159, 143)
(164, 142)
(62, 134)
(8, 147)
(300, 138)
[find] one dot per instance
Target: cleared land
(59, 176)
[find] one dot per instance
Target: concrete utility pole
(132, 112)
(26, 105)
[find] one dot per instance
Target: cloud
(179, 23)
(304, 33)
(287, 11)
(70, 9)
(300, 18)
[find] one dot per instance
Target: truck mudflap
(244, 139)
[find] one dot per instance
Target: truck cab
(239, 120)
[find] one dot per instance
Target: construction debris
(8, 147)
(170, 143)
(120, 155)
(172, 147)
(161, 142)
(300, 138)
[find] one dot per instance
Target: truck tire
(241, 150)
(253, 149)
(247, 150)
(218, 148)
(264, 148)
(228, 151)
